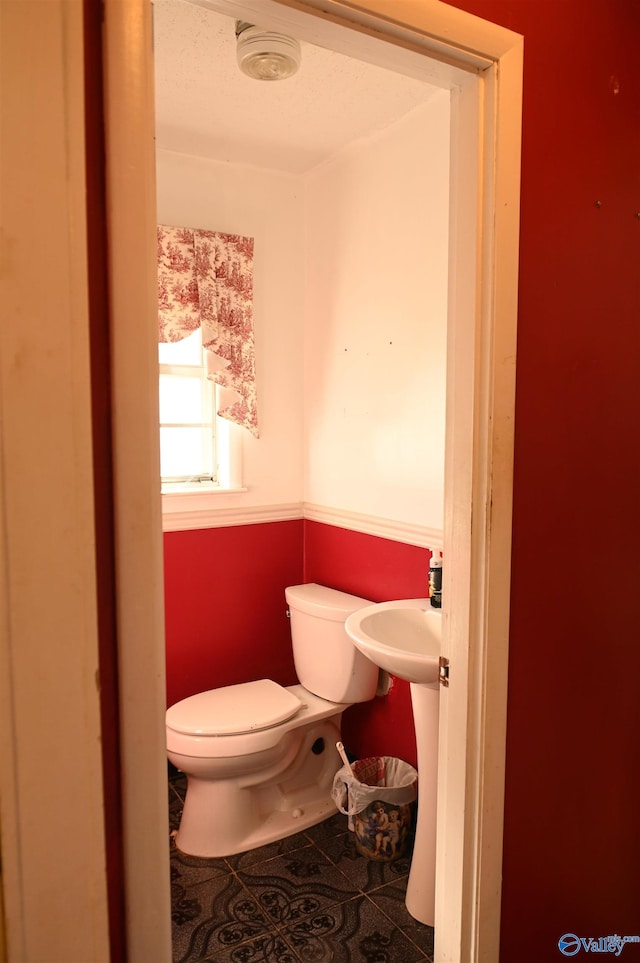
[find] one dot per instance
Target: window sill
(196, 509)
(176, 491)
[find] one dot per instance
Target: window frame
(208, 407)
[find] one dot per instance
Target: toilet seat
(234, 709)
(216, 745)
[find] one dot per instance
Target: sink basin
(402, 637)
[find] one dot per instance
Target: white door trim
(482, 63)
(133, 309)
(53, 899)
(478, 500)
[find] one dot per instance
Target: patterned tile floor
(310, 898)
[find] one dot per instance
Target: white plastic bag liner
(378, 796)
(377, 778)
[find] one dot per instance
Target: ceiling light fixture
(265, 54)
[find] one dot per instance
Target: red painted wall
(217, 635)
(377, 569)
(225, 610)
(572, 832)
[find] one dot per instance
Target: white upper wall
(350, 313)
(376, 322)
(268, 206)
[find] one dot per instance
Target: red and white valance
(205, 280)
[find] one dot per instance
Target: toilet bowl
(247, 789)
(260, 758)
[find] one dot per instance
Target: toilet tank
(326, 660)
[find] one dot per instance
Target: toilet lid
(233, 709)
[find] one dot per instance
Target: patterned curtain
(205, 280)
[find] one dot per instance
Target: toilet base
(275, 827)
(222, 817)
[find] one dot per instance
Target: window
(188, 456)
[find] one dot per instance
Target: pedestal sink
(404, 637)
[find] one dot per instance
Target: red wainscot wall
(377, 569)
(225, 610)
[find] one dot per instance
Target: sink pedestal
(405, 638)
(421, 886)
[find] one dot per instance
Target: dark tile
(175, 812)
(192, 870)
(365, 874)
(296, 900)
(269, 948)
(329, 829)
(178, 786)
(214, 918)
(349, 931)
(390, 899)
(279, 847)
(293, 886)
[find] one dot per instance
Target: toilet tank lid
(233, 709)
(319, 600)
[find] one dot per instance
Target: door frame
(482, 65)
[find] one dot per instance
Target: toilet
(260, 758)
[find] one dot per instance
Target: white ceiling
(207, 107)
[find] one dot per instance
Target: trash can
(378, 795)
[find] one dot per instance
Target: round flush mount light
(266, 54)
